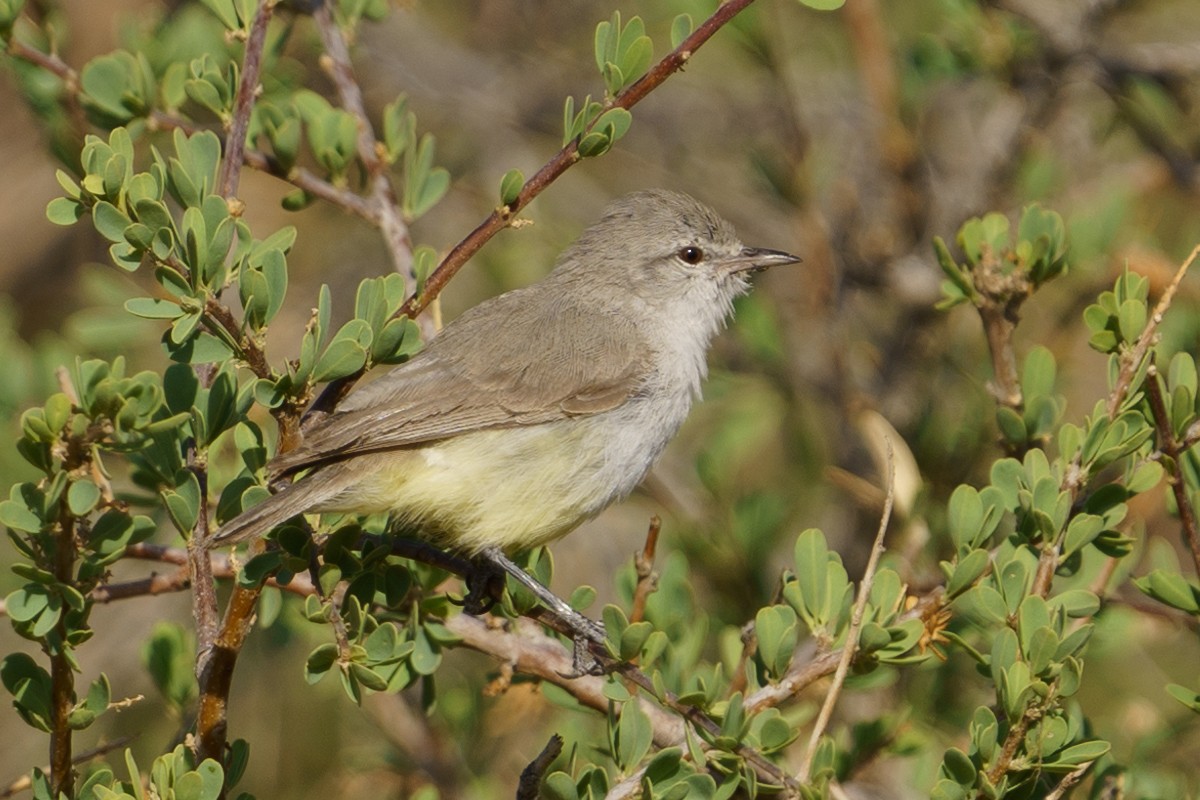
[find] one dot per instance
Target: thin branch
(530, 784)
(856, 619)
(501, 218)
(1131, 361)
(1008, 751)
(62, 675)
(340, 633)
(1069, 780)
(643, 564)
(235, 142)
(251, 352)
(154, 583)
(218, 646)
(523, 644)
(383, 195)
(267, 163)
(1170, 447)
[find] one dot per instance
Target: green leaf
(614, 123)
(1078, 754)
(63, 211)
(30, 686)
(1011, 425)
(681, 28)
(1172, 589)
(319, 661)
(967, 571)
(510, 187)
(811, 556)
(183, 502)
(153, 308)
(399, 125)
(82, 496)
(110, 222)
(212, 779)
(777, 632)
(634, 735)
(633, 638)
(594, 144)
(1185, 695)
(17, 516)
(823, 5)
(346, 354)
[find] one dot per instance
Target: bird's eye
(691, 255)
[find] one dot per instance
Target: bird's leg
(582, 629)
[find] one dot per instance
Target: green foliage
(623, 53)
(997, 269)
(736, 619)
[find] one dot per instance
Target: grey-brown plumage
(536, 409)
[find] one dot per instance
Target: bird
(537, 409)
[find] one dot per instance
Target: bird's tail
(295, 498)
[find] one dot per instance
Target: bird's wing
(556, 359)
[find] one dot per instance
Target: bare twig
(235, 143)
(1069, 780)
(856, 619)
(1000, 297)
(643, 563)
(338, 624)
(154, 583)
(530, 784)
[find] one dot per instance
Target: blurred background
(850, 138)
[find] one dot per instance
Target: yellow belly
(511, 488)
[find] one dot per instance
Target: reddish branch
(235, 143)
(218, 647)
(643, 564)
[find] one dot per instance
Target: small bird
(537, 409)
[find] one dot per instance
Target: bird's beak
(756, 259)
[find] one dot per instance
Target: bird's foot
(485, 584)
